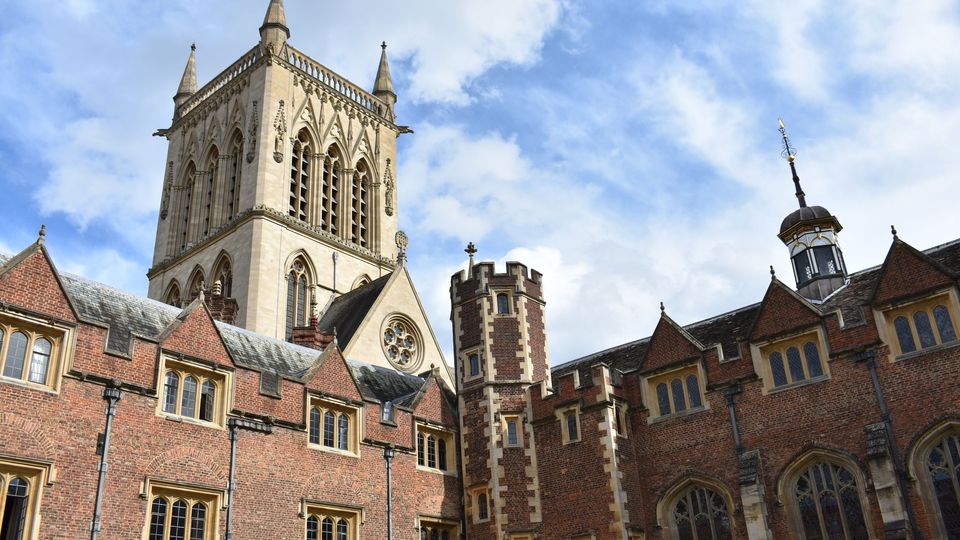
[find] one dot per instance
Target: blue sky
(628, 150)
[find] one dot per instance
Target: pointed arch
(932, 463)
(197, 282)
(697, 507)
(173, 296)
(231, 191)
(362, 280)
(185, 188)
(223, 272)
(300, 283)
(331, 183)
(824, 490)
(360, 204)
(204, 189)
(301, 167)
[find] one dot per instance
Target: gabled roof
(384, 384)
(347, 312)
(906, 270)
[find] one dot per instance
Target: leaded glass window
(828, 502)
(904, 335)
(803, 361)
(326, 529)
(795, 364)
(944, 324)
(663, 399)
(15, 510)
(328, 428)
(343, 435)
(178, 520)
(943, 468)
(208, 398)
(776, 369)
(421, 449)
(158, 518)
(188, 403)
(198, 521)
(813, 359)
(701, 514)
(171, 390)
(342, 529)
(40, 360)
(922, 322)
(679, 401)
(16, 351)
(314, 426)
(313, 527)
(431, 452)
(923, 325)
(693, 390)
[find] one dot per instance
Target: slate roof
(733, 327)
(385, 384)
(346, 312)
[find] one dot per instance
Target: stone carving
(280, 125)
(167, 183)
(252, 135)
(388, 191)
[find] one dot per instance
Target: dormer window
(673, 393)
(792, 361)
(922, 325)
(191, 392)
(30, 353)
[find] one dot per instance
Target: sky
(627, 150)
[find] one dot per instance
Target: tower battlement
(480, 277)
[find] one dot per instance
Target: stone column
(885, 485)
(751, 497)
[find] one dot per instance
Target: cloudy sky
(628, 150)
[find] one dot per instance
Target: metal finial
(193, 46)
(893, 231)
(471, 249)
(41, 236)
(383, 45)
(790, 153)
(662, 308)
(773, 273)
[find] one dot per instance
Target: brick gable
(30, 281)
(332, 376)
(195, 334)
(432, 403)
(907, 271)
(782, 311)
(668, 344)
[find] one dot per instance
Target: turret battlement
(482, 276)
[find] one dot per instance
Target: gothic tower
(810, 233)
(500, 352)
(280, 184)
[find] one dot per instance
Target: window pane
(40, 361)
(572, 426)
(826, 262)
(663, 399)
(679, 402)
(178, 521)
(812, 354)
(795, 365)
(441, 454)
(291, 302)
(482, 506)
(420, 449)
(904, 335)
(512, 438)
(940, 314)
(208, 397)
(503, 304)
(16, 350)
(158, 518)
(313, 527)
(15, 511)
(431, 452)
(314, 426)
(301, 301)
(474, 365)
(171, 388)
(188, 403)
(343, 437)
(326, 529)
(924, 331)
(342, 529)
(693, 391)
(328, 428)
(801, 263)
(776, 369)
(198, 522)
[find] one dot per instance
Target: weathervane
(790, 153)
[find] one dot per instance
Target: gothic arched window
(330, 190)
(173, 295)
(942, 466)
(827, 502)
(186, 197)
(358, 204)
(300, 162)
(231, 192)
(213, 163)
(700, 513)
(299, 288)
(224, 274)
(197, 283)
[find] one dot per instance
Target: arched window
(776, 368)
(16, 353)
(300, 163)
(40, 361)
(328, 428)
(173, 296)
(342, 529)
(922, 321)
(198, 521)
(663, 399)
(158, 518)
(314, 426)
(944, 324)
(794, 361)
(343, 432)
(431, 452)
(224, 274)
(179, 514)
(700, 513)
(795, 364)
(826, 500)
(178, 521)
(186, 198)
(313, 526)
(942, 467)
(329, 198)
(299, 288)
(693, 390)
(503, 304)
(171, 389)
(208, 398)
(213, 163)
(358, 204)
(679, 402)
(483, 512)
(326, 530)
(231, 193)
(197, 283)
(188, 403)
(441, 454)
(904, 335)
(922, 325)
(420, 450)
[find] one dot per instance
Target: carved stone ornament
(165, 202)
(280, 125)
(252, 135)
(388, 191)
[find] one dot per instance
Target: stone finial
(402, 241)
(773, 273)
(274, 28)
(42, 235)
(663, 309)
(893, 231)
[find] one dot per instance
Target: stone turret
(188, 83)
(383, 85)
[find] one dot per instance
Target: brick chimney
(221, 307)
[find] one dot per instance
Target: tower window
(473, 365)
(231, 194)
(330, 190)
(569, 423)
(503, 304)
(512, 428)
(300, 163)
(358, 204)
(827, 263)
(922, 325)
(803, 267)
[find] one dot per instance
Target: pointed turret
(810, 233)
(274, 32)
(188, 83)
(383, 85)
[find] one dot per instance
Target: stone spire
(188, 83)
(383, 85)
(274, 32)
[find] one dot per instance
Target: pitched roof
(347, 312)
(384, 384)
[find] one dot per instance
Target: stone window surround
(562, 413)
(61, 338)
(465, 364)
(213, 498)
(354, 515)
(449, 438)
(222, 379)
(37, 474)
(495, 296)
(761, 363)
(665, 505)
(425, 521)
(475, 493)
(916, 460)
(353, 413)
(885, 315)
(648, 390)
(505, 424)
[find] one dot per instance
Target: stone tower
(280, 184)
(500, 352)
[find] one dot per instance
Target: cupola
(810, 233)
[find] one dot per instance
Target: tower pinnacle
(188, 83)
(383, 84)
(274, 31)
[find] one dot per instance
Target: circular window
(402, 343)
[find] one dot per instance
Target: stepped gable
(346, 312)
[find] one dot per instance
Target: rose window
(401, 343)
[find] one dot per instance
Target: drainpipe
(388, 458)
(730, 393)
(112, 396)
(230, 481)
(870, 359)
